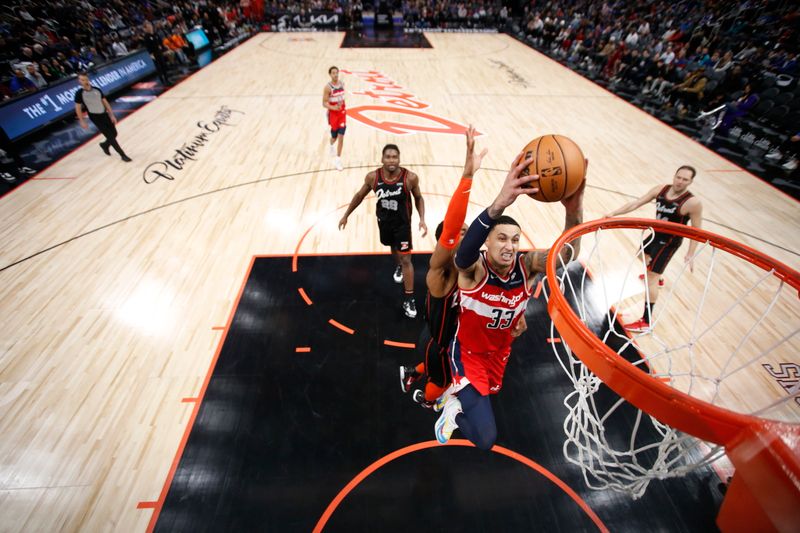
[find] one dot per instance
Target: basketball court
(189, 342)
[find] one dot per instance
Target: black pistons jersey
(670, 210)
(441, 315)
(394, 198)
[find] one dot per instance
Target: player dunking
(494, 288)
(394, 186)
(441, 301)
(333, 101)
(674, 203)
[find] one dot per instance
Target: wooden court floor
(117, 281)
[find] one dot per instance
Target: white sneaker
(410, 308)
(332, 150)
(791, 164)
(774, 154)
(441, 401)
(338, 163)
(446, 423)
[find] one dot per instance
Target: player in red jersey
(494, 287)
(674, 203)
(333, 101)
(441, 302)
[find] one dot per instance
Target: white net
(726, 334)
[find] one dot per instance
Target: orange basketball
(560, 165)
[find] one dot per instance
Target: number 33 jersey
(394, 197)
(490, 311)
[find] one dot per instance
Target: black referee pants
(109, 131)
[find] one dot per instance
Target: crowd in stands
(43, 41)
(718, 63)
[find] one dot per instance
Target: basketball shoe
(398, 274)
(408, 376)
(440, 402)
(446, 423)
(640, 326)
(410, 308)
(337, 161)
(419, 397)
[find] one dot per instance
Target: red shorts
(484, 370)
(337, 120)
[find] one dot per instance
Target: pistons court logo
(403, 104)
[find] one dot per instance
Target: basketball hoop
(704, 370)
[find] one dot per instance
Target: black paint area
(280, 433)
(370, 37)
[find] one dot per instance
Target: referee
(92, 100)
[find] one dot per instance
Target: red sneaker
(639, 326)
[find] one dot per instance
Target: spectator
(34, 75)
(19, 84)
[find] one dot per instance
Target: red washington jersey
(337, 119)
(490, 311)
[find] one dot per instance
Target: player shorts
(338, 122)
(396, 235)
(435, 358)
(660, 250)
(484, 370)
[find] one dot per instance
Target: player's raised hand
(514, 185)
(473, 162)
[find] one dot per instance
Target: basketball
(560, 165)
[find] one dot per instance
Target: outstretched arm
(635, 204)
(513, 186)
(536, 261)
(457, 208)
(358, 198)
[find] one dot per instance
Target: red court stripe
(341, 326)
(147, 505)
(453, 442)
(303, 292)
(218, 328)
(409, 345)
(179, 453)
(189, 400)
(721, 170)
(302, 349)
(44, 179)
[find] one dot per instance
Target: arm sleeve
(456, 213)
(469, 251)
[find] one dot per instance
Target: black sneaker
(126, 159)
(410, 308)
(419, 397)
(408, 376)
(105, 148)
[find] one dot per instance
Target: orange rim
(679, 410)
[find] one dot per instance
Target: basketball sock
(420, 368)
(648, 311)
(432, 392)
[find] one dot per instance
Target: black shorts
(660, 250)
(435, 357)
(104, 125)
(396, 235)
